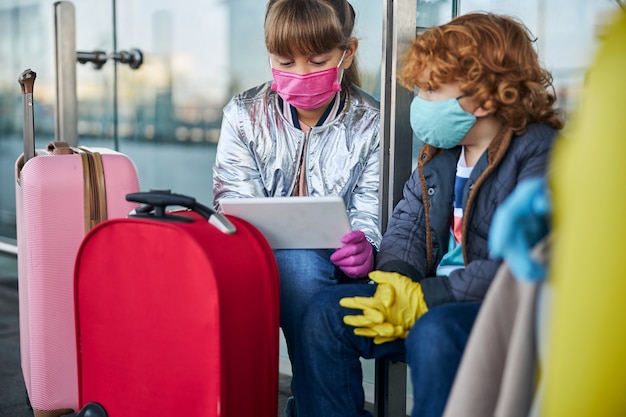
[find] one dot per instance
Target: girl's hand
(356, 257)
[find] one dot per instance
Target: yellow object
(391, 312)
(586, 365)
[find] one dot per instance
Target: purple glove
(356, 256)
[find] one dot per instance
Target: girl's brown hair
(493, 60)
(302, 27)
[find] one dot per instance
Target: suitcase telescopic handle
(155, 203)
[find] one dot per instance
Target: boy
(484, 110)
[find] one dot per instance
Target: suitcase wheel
(92, 410)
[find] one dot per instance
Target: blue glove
(518, 224)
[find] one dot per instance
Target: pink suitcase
(180, 318)
(60, 194)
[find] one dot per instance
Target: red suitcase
(177, 315)
(61, 193)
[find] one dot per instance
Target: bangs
(293, 28)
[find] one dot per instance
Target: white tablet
(294, 222)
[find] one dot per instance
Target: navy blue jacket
(419, 230)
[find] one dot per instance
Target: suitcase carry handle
(27, 82)
(156, 201)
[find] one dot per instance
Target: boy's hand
(391, 312)
(356, 257)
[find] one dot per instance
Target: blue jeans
(302, 274)
(328, 377)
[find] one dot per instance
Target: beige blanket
(498, 372)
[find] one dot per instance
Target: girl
(311, 131)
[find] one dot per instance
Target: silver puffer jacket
(259, 151)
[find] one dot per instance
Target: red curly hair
(493, 60)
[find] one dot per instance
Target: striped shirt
(453, 259)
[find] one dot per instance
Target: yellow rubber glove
(391, 312)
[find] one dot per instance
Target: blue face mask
(442, 124)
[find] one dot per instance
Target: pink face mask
(307, 91)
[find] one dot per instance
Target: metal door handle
(134, 58)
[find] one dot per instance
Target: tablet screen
(294, 222)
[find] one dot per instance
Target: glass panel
(434, 12)
(567, 35)
(27, 41)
